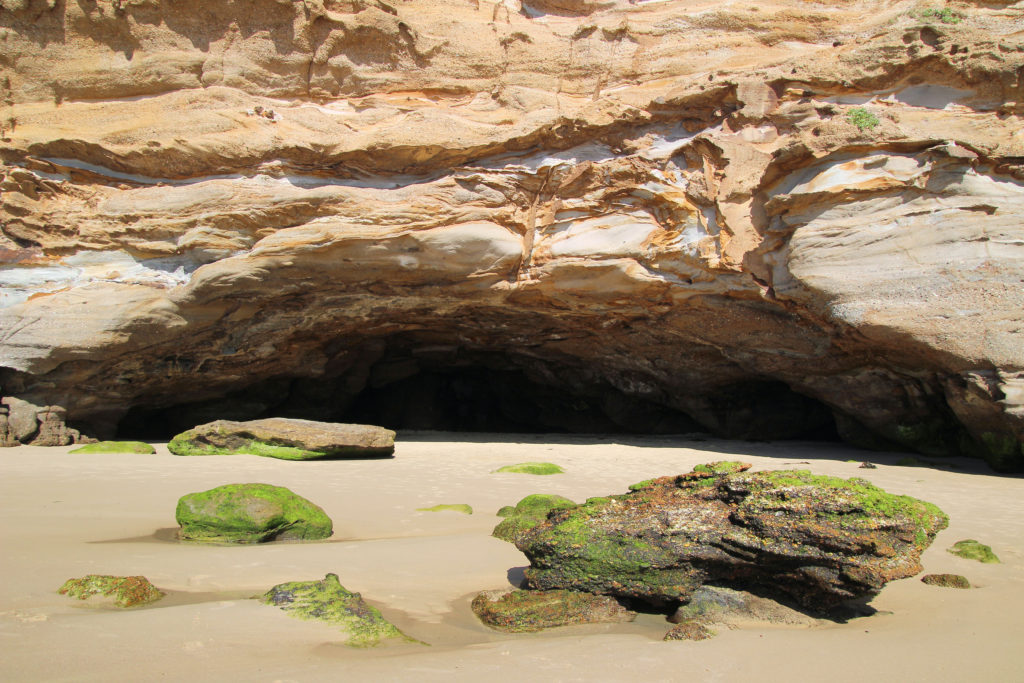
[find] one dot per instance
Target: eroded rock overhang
(665, 213)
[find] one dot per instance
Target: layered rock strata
(753, 218)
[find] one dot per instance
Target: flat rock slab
(520, 611)
(285, 438)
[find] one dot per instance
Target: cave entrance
(407, 388)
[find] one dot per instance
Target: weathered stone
(126, 591)
(817, 540)
(946, 580)
(329, 601)
(284, 438)
(662, 218)
(733, 608)
(250, 513)
(523, 611)
(689, 630)
(22, 420)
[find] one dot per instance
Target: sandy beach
(69, 515)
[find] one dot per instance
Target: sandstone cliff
(755, 214)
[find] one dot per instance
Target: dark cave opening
(404, 390)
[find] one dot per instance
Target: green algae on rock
(116, 447)
(126, 591)
(250, 513)
(973, 550)
(816, 539)
(329, 601)
(532, 468)
(521, 611)
(449, 507)
(286, 439)
(946, 580)
(527, 513)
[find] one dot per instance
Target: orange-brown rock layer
(756, 215)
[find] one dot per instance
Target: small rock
(972, 550)
(250, 513)
(520, 611)
(449, 507)
(127, 591)
(689, 630)
(946, 580)
(868, 466)
(285, 438)
(330, 602)
(116, 447)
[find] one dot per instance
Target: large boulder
(285, 438)
(817, 540)
(250, 513)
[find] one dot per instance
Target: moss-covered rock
(524, 611)
(116, 447)
(286, 439)
(250, 513)
(532, 468)
(973, 550)
(449, 507)
(527, 513)
(126, 591)
(330, 602)
(946, 580)
(816, 539)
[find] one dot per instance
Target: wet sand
(69, 515)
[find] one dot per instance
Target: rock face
(550, 214)
(329, 601)
(250, 513)
(817, 540)
(288, 439)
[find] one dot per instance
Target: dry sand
(69, 515)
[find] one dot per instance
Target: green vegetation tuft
(528, 513)
(641, 485)
(116, 447)
(532, 468)
(721, 467)
(250, 513)
(127, 591)
(452, 507)
(944, 15)
(862, 118)
(329, 601)
(972, 550)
